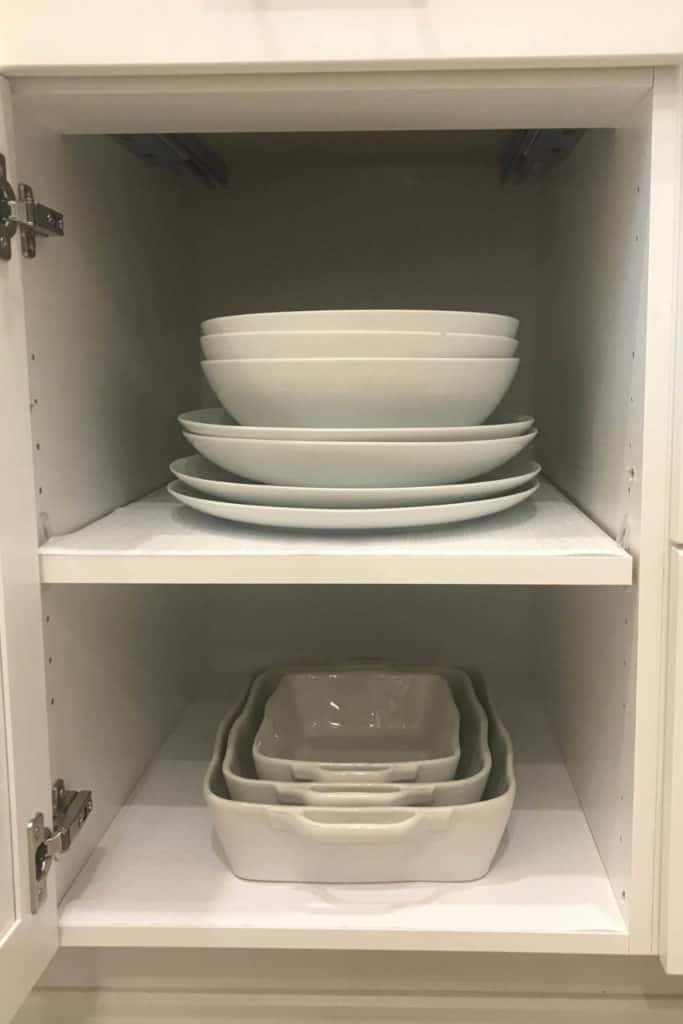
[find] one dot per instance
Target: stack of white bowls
(356, 419)
(409, 767)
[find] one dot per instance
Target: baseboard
(97, 1006)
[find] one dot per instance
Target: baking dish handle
(380, 795)
(399, 772)
(330, 825)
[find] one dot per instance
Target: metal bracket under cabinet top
(23, 212)
(70, 810)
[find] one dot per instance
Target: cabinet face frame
(241, 37)
(644, 942)
(27, 944)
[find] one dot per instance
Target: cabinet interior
(373, 218)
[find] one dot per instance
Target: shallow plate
(446, 320)
(215, 423)
(350, 518)
(203, 476)
(358, 463)
(385, 344)
(349, 392)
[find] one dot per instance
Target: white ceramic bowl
(359, 723)
(360, 392)
(468, 785)
(270, 842)
(336, 344)
(358, 463)
(206, 478)
(445, 320)
(215, 423)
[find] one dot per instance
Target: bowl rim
(380, 445)
(363, 360)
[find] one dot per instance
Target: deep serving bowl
(360, 392)
(358, 463)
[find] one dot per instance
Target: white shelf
(155, 540)
(158, 877)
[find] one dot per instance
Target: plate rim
(444, 506)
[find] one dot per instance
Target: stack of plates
(356, 419)
(409, 767)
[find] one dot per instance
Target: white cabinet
(144, 623)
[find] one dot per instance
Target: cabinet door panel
(27, 940)
(671, 889)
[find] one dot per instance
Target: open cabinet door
(27, 940)
(671, 916)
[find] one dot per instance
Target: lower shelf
(158, 877)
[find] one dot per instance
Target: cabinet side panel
(112, 354)
(608, 315)
(586, 664)
(121, 663)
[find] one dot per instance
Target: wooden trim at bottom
(98, 1006)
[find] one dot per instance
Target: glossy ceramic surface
(358, 720)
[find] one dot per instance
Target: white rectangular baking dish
(379, 844)
(471, 777)
(368, 722)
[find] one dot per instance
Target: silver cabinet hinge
(70, 810)
(26, 214)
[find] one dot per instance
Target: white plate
(366, 392)
(387, 344)
(358, 463)
(350, 518)
(215, 423)
(203, 476)
(446, 320)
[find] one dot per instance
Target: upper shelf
(155, 540)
